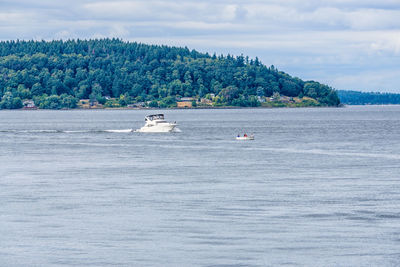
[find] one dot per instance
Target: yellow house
(84, 103)
(184, 104)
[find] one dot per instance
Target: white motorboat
(156, 124)
(245, 137)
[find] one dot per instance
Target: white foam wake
(119, 131)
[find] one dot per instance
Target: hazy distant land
(368, 98)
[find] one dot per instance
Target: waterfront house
(206, 101)
(184, 104)
(29, 104)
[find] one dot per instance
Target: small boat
(156, 124)
(245, 137)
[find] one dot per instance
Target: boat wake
(119, 131)
(55, 131)
(50, 131)
(31, 131)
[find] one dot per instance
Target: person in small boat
(238, 135)
(245, 135)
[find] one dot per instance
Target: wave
(76, 131)
(333, 153)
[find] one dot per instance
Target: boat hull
(165, 128)
(245, 138)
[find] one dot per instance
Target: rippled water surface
(317, 187)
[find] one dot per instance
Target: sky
(347, 44)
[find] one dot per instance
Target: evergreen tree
(110, 68)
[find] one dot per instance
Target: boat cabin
(154, 117)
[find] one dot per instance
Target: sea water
(317, 187)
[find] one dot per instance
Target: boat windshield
(155, 117)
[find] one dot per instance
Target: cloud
(314, 39)
(378, 80)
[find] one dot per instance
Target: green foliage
(322, 93)
(242, 101)
(68, 101)
(97, 69)
(153, 104)
(124, 100)
(112, 103)
(308, 103)
(55, 102)
(8, 101)
(22, 92)
(167, 102)
(229, 94)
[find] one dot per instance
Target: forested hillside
(61, 72)
(368, 98)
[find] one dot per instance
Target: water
(317, 187)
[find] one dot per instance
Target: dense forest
(57, 74)
(370, 98)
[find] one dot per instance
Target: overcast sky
(347, 44)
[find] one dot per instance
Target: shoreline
(192, 108)
(197, 108)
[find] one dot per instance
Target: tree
(112, 67)
(167, 102)
(229, 93)
(260, 91)
(51, 102)
(289, 87)
(37, 89)
(136, 90)
(8, 101)
(96, 93)
(124, 100)
(175, 88)
(153, 104)
(311, 89)
(23, 92)
(68, 101)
